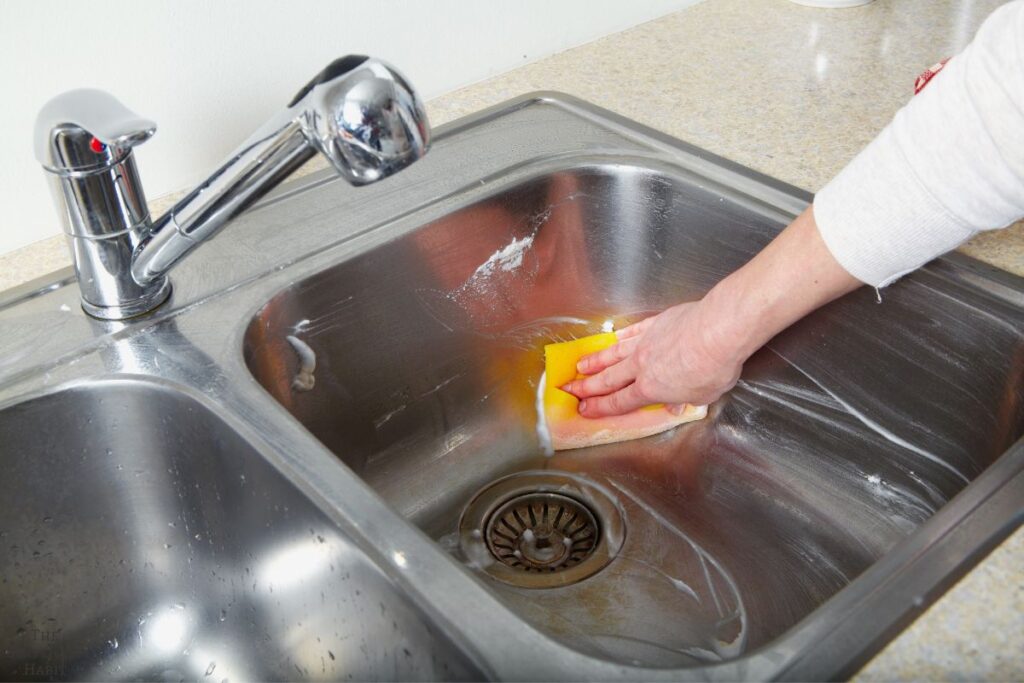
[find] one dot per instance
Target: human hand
(666, 359)
(693, 352)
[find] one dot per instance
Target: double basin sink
(316, 461)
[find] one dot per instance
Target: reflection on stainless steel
(358, 112)
(844, 435)
(818, 508)
(156, 543)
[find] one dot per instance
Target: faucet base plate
(157, 295)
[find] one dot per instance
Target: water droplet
(209, 669)
(223, 615)
(113, 643)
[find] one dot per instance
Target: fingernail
(583, 406)
(581, 367)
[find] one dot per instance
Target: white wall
(209, 72)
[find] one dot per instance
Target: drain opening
(541, 529)
(542, 532)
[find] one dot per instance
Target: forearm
(795, 274)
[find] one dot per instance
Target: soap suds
(877, 428)
(678, 584)
(734, 608)
(506, 259)
(543, 433)
(441, 385)
(383, 419)
(304, 379)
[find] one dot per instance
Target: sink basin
(158, 544)
(319, 459)
(843, 437)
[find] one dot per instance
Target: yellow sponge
(569, 429)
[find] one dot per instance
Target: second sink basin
(144, 538)
(844, 435)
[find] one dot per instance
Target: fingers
(605, 382)
(619, 403)
(596, 362)
(635, 330)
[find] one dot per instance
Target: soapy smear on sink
(304, 379)
(506, 259)
(494, 288)
(327, 319)
(678, 584)
(874, 426)
(543, 433)
(381, 420)
(902, 505)
(730, 608)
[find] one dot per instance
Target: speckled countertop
(793, 92)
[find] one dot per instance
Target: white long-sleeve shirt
(950, 164)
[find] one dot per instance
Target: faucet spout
(359, 112)
(253, 170)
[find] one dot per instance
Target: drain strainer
(541, 529)
(542, 532)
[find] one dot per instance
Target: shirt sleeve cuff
(879, 221)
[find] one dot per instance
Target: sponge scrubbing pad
(569, 429)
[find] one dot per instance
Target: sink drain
(542, 532)
(541, 529)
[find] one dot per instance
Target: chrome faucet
(358, 112)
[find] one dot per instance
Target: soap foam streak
(874, 426)
(543, 433)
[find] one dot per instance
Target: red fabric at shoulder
(928, 75)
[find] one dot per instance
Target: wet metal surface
(372, 362)
(843, 436)
(157, 544)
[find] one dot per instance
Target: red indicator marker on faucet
(97, 146)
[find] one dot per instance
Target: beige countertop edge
(793, 92)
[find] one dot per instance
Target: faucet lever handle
(86, 129)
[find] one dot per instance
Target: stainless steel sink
(370, 366)
(144, 538)
(843, 437)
